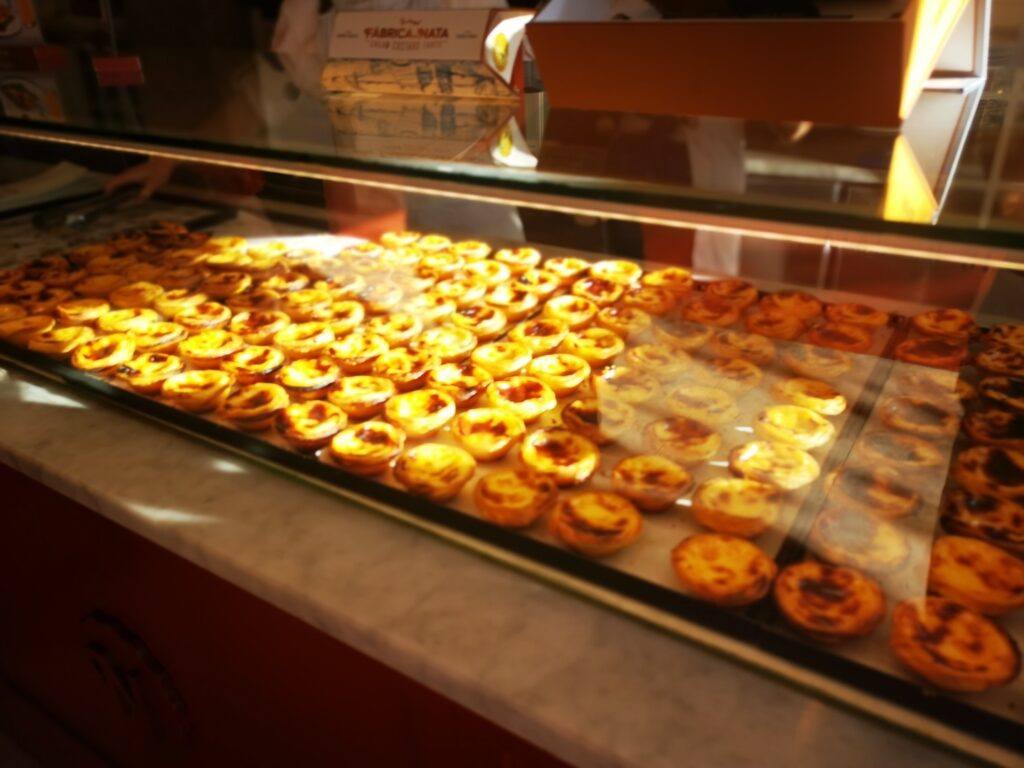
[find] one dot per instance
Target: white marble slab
(587, 684)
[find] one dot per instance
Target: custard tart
(435, 471)
(487, 433)
(362, 397)
(721, 569)
(160, 337)
(485, 321)
(842, 336)
(666, 365)
(944, 322)
(1006, 335)
(598, 346)
(602, 292)
(685, 441)
(976, 574)
(502, 359)
(630, 385)
(850, 537)
(420, 413)
(514, 301)
(796, 304)
(203, 317)
(310, 425)
(876, 490)
(951, 646)
(127, 320)
(1004, 361)
(784, 466)
(221, 285)
(174, 278)
(81, 311)
(254, 364)
(433, 243)
(304, 339)
(733, 374)
(819, 396)
(430, 307)
(307, 304)
(933, 352)
(1004, 391)
(440, 264)
(21, 290)
(688, 337)
(988, 518)
(602, 421)
(574, 311)
(357, 352)
(518, 259)
(170, 303)
(258, 327)
(735, 506)
(449, 342)
(675, 279)
(526, 397)
(919, 416)
(367, 448)
(904, 452)
(46, 301)
(461, 290)
(16, 312)
(405, 367)
(794, 425)
(774, 325)
(104, 353)
(110, 263)
(209, 348)
(198, 391)
(563, 373)
(308, 378)
(710, 405)
(566, 457)
(255, 407)
(514, 498)
(135, 295)
(652, 483)
(829, 603)
(490, 273)
(748, 346)
(568, 268)
(471, 250)
(857, 314)
(708, 310)
(400, 239)
(733, 291)
(624, 320)
(60, 341)
(381, 298)
(537, 281)
(541, 335)
(465, 382)
(254, 300)
(650, 299)
(99, 286)
(596, 523)
(816, 362)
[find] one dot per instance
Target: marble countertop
(588, 684)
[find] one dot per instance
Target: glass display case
(758, 384)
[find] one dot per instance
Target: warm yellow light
(907, 194)
(933, 24)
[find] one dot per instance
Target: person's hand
(149, 176)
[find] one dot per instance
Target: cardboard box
(860, 62)
(473, 54)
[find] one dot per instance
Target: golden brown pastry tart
(402, 259)
(630, 385)
(46, 301)
(857, 314)
(311, 425)
(362, 397)
(666, 364)
(749, 346)
(685, 336)
(625, 321)
(258, 327)
(1004, 391)
(405, 367)
(344, 317)
(619, 271)
(170, 303)
(307, 304)
(518, 259)
(736, 506)
(254, 300)
(367, 448)
(526, 397)
(563, 373)
(598, 346)
(127, 320)
(738, 293)
(19, 330)
(487, 433)
(209, 349)
(381, 297)
(685, 441)
(400, 239)
(710, 405)
(357, 352)
(1006, 335)
(435, 471)
(574, 311)
(110, 263)
(368, 250)
(220, 285)
(198, 391)
(944, 322)
(175, 278)
(98, 286)
(1004, 361)
(433, 243)
(568, 268)
(796, 304)
(225, 261)
(819, 396)
(652, 483)
(596, 523)
(650, 299)
(876, 490)
(83, 254)
(537, 281)
(203, 317)
(951, 646)
(599, 290)
(709, 310)
(16, 312)
(461, 290)
(465, 382)
(541, 335)
(21, 290)
(485, 321)
(251, 365)
(721, 569)
(794, 425)
(988, 518)
(902, 451)
(858, 540)
(344, 287)
(513, 300)
(675, 279)
(449, 342)
(514, 498)
(397, 329)
(308, 378)
(430, 307)
(734, 374)
(255, 407)
(816, 362)
(976, 574)
(160, 337)
(490, 273)
(147, 372)
(471, 250)
(420, 413)
(104, 353)
(304, 339)
(829, 603)
(933, 352)
(784, 466)
(135, 295)
(502, 359)
(602, 421)
(439, 264)
(183, 257)
(994, 427)
(60, 341)
(842, 336)
(919, 416)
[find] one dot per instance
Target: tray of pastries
(775, 458)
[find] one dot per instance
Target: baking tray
(648, 592)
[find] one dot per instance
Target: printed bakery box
(474, 54)
(858, 62)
